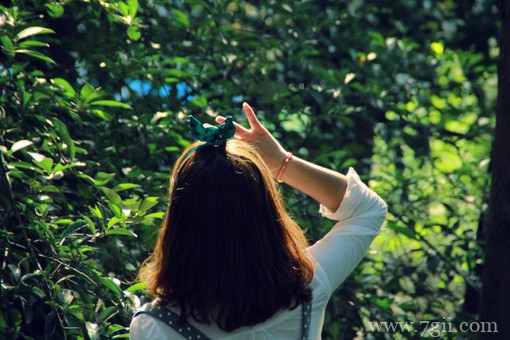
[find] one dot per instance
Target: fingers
(252, 118)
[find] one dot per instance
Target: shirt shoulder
(144, 326)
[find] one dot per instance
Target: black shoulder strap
(306, 316)
(188, 331)
(171, 318)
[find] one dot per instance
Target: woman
(230, 263)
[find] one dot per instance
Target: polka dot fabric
(172, 319)
(306, 316)
(187, 331)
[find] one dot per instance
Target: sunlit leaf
(110, 103)
(69, 91)
(147, 203)
(20, 145)
(133, 33)
(137, 287)
(133, 7)
(181, 17)
(32, 43)
(121, 231)
(28, 32)
(55, 10)
(35, 55)
(125, 186)
(108, 283)
(101, 178)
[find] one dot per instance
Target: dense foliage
(94, 96)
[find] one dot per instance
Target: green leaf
(113, 221)
(123, 8)
(181, 17)
(103, 115)
(35, 55)
(91, 225)
(133, 7)
(87, 90)
(147, 203)
(64, 135)
(7, 45)
(437, 47)
(176, 73)
(32, 43)
(137, 287)
(37, 156)
(24, 165)
(121, 231)
(101, 178)
(20, 145)
(131, 203)
(384, 303)
(38, 292)
(108, 283)
(111, 103)
(402, 230)
(50, 188)
(69, 91)
(126, 186)
(112, 196)
(30, 275)
(107, 314)
(55, 10)
(96, 211)
(115, 328)
(70, 230)
(28, 32)
(133, 33)
(200, 101)
(42, 161)
(92, 330)
(159, 214)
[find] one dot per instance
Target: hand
(271, 151)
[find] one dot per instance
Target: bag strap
(306, 316)
(171, 318)
(188, 331)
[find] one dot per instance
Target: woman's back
(234, 264)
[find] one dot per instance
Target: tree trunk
(495, 302)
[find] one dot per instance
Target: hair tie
(211, 135)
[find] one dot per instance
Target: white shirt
(359, 217)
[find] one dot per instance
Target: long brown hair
(227, 250)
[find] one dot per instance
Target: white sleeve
(145, 327)
(360, 217)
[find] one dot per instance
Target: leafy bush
(94, 96)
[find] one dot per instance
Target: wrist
(275, 160)
(281, 171)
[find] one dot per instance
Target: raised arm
(359, 211)
(324, 185)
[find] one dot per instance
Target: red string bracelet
(285, 163)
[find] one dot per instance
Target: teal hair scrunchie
(211, 135)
